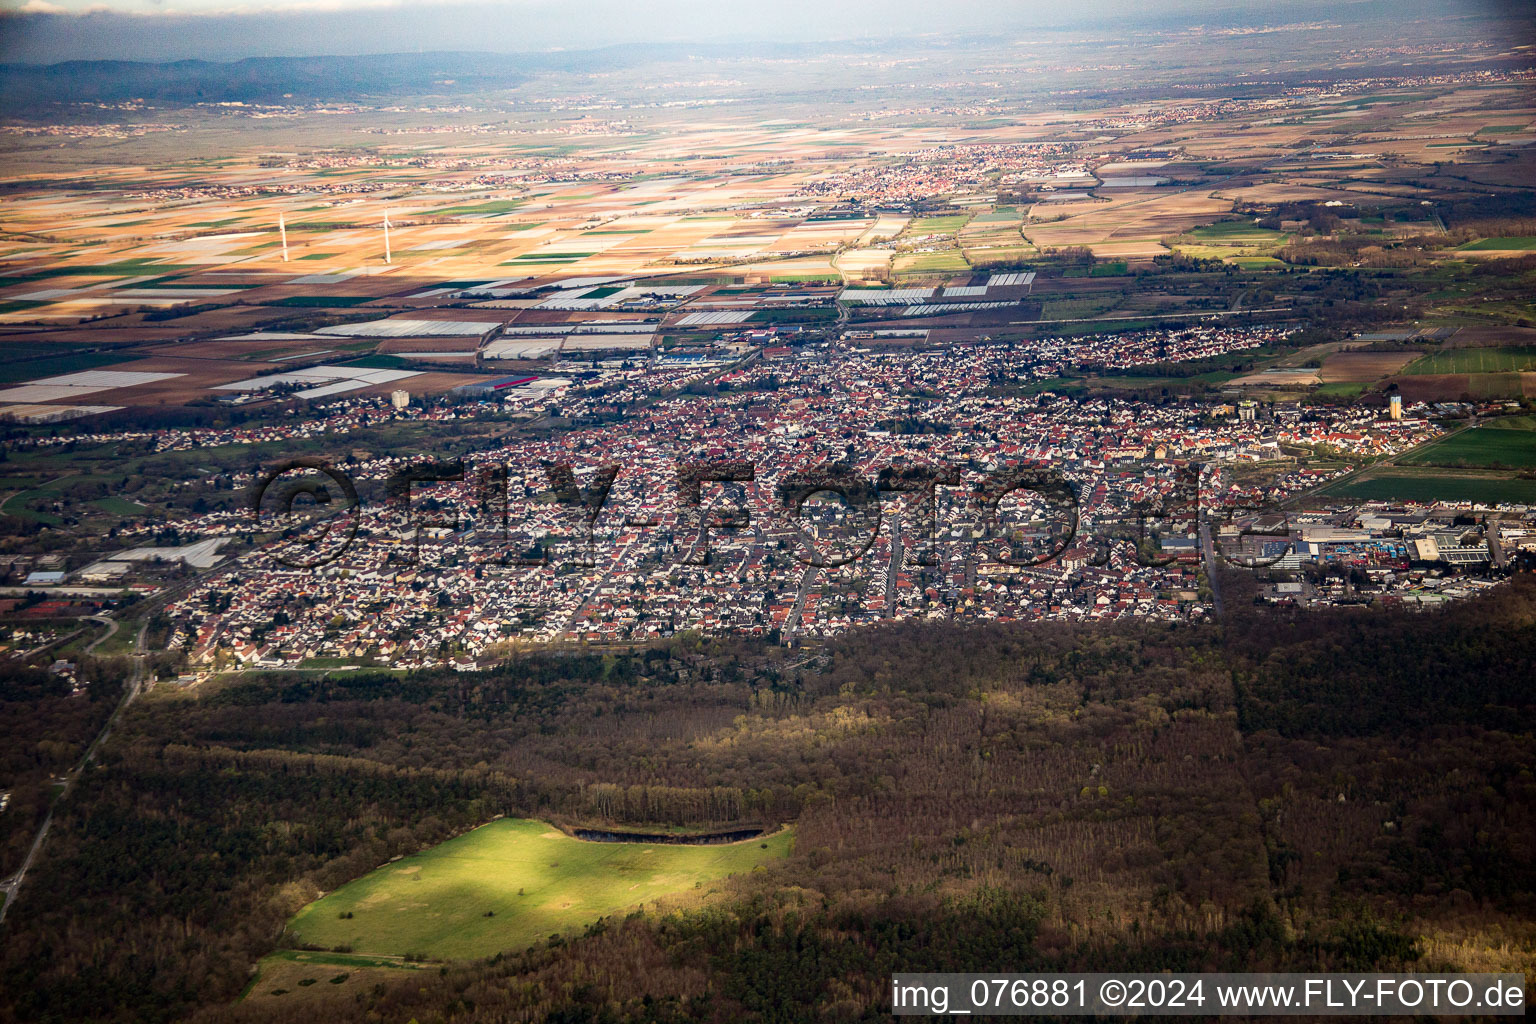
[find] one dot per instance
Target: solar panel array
(729, 316)
(71, 386)
(932, 308)
(329, 380)
(410, 329)
(1013, 280)
(884, 296)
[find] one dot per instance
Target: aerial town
(644, 513)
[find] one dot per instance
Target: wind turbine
(386, 236)
(282, 229)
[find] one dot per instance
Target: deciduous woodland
(1341, 790)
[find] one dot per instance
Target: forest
(1345, 789)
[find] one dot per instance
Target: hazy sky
(54, 30)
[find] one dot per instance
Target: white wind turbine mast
(386, 236)
(282, 229)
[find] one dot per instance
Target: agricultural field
(1502, 444)
(1521, 244)
(1240, 242)
(1506, 359)
(1129, 226)
(945, 224)
(1434, 485)
(510, 884)
(995, 237)
(1343, 389)
(917, 264)
(1363, 367)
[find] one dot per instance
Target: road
(111, 625)
(792, 623)
(1208, 552)
(11, 886)
(894, 569)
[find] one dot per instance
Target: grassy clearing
(119, 506)
(1508, 359)
(510, 884)
(293, 975)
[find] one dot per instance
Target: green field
(119, 506)
(935, 225)
(510, 884)
(55, 366)
(1521, 243)
(1237, 232)
(1001, 215)
(491, 209)
(549, 257)
(1481, 446)
(809, 277)
(1340, 389)
(307, 301)
(1429, 486)
(931, 263)
(1255, 262)
(1507, 359)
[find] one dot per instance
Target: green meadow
(1428, 485)
(495, 208)
(1493, 445)
(1518, 243)
(935, 225)
(510, 884)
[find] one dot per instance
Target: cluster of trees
(1270, 792)
(43, 733)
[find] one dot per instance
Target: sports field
(510, 884)
(1505, 359)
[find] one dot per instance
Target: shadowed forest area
(1343, 789)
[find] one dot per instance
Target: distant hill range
(264, 79)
